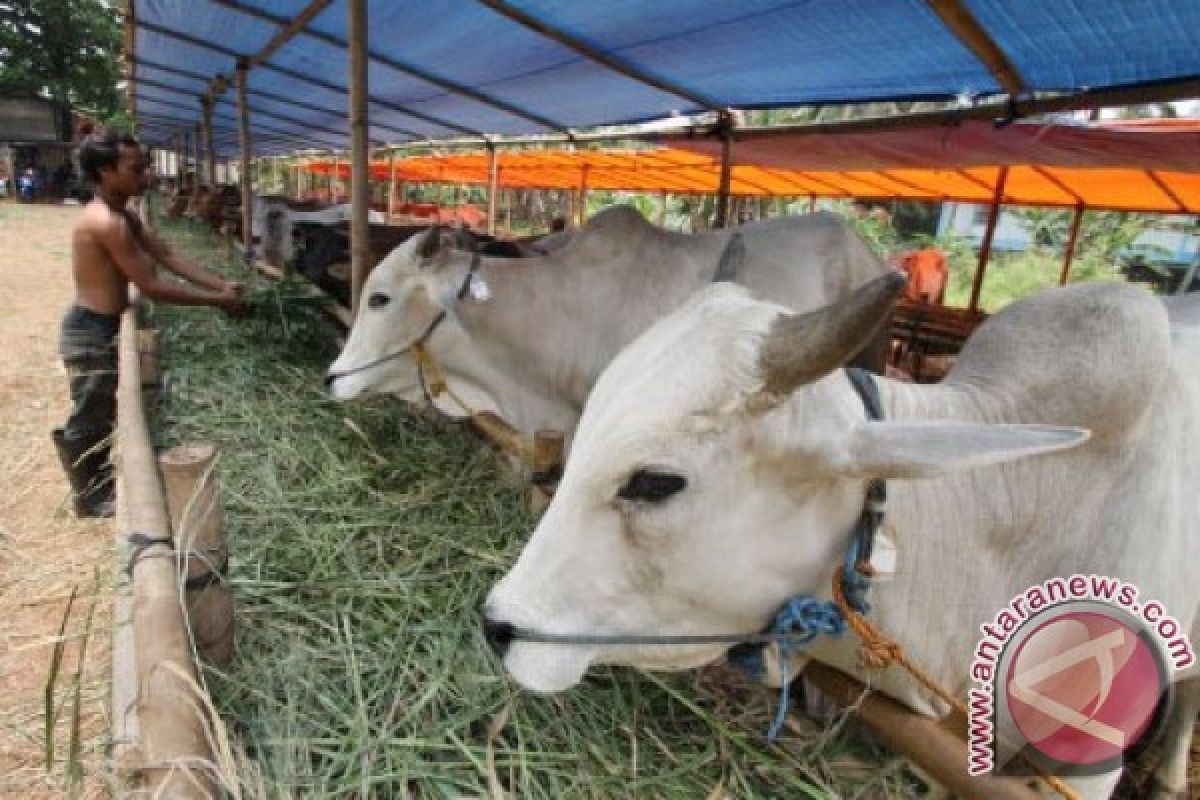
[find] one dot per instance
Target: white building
(1177, 241)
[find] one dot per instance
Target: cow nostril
(499, 635)
(329, 379)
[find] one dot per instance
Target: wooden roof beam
(297, 134)
(258, 111)
(1167, 190)
(287, 30)
(188, 126)
(1137, 94)
(962, 23)
(1056, 183)
(409, 69)
(604, 59)
(278, 98)
(179, 36)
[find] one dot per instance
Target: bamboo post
(171, 756)
(359, 229)
(583, 192)
(193, 502)
(148, 357)
(547, 461)
(812, 203)
(493, 179)
(546, 467)
(196, 171)
(985, 248)
(147, 342)
(210, 156)
(1072, 238)
(391, 200)
(930, 745)
(726, 133)
(1190, 274)
(244, 139)
(129, 47)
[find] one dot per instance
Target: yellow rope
(492, 426)
(880, 651)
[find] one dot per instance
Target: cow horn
(799, 348)
(431, 243)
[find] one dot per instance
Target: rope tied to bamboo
(139, 543)
(879, 651)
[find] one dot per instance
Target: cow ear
(434, 243)
(931, 448)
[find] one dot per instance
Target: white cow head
(717, 470)
(401, 299)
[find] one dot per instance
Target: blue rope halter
(802, 617)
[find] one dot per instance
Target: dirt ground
(44, 552)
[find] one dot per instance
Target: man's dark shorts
(88, 346)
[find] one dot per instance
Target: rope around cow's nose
(476, 260)
(798, 621)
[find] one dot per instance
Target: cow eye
(377, 300)
(651, 487)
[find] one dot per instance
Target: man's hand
(231, 299)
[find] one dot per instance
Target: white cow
(529, 336)
(722, 459)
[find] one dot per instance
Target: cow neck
(928, 520)
(521, 329)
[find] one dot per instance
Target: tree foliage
(62, 49)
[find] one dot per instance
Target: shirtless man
(110, 249)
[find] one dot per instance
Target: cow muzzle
(499, 635)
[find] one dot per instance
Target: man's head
(114, 161)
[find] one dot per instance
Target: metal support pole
(985, 248)
(812, 203)
(1076, 220)
(244, 170)
(662, 209)
(493, 179)
(360, 190)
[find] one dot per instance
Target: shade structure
(446, 68)
(1147, 166)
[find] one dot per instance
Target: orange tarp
(1128, 167)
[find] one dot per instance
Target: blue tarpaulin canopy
(448, 68)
